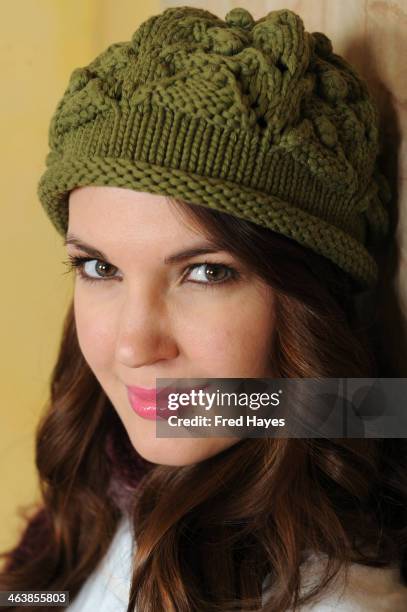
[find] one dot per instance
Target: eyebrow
(199, 249)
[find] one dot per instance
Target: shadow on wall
(392, 327)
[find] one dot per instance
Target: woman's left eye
(212, 273)
(207, 274)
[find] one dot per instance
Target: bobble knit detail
(258, 119)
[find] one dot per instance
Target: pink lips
(144, 401)
(143, 393)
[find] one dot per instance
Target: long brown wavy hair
(209, 533)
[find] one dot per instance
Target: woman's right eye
(93, 273)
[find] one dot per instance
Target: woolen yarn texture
(257, 119)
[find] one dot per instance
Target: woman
(252, 146)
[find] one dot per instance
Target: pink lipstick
(144, 400)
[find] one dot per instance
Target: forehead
(112, 213)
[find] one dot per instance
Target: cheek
(95, 335)
(233, 339)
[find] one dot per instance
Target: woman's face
(141, 317)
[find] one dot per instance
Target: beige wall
(42, 41)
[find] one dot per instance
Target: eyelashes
(77, 263)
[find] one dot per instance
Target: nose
(144, 334)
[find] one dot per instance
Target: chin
(179, 451)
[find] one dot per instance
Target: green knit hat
(258, 119)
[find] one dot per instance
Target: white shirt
(368, 589)
(107, 589)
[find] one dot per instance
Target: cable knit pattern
(259, 119)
